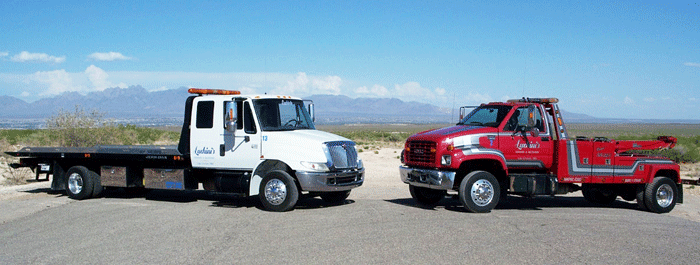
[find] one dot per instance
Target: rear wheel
(426, 197)
(660, 195)
(80, 182)
(335, 196)
(278, 192)
(598, 194)
(479, 192)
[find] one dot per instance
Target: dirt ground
(381, 181)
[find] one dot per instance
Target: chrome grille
(421, 152)
(342, 154)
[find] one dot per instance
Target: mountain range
(135, 105)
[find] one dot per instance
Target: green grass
(122, 135)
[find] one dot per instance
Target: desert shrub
(82, 129)
(8, 175)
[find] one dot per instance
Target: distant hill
(135, 105)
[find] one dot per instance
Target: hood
(451, 132)
(303, 137)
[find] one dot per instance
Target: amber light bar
(203, 91)
(534, 100)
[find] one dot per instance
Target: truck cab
(270, 147)
(522, 147)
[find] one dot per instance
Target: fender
(480, 153)
(261, 170)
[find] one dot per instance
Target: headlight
(315, 166)
(359, 163)
(446, 160)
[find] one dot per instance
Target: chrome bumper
(330, 181)
(433, 179)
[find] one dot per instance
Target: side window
(205, 114)
(248, 120)
(519, 117)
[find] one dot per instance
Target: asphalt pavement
(169, 227)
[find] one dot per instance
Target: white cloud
(108, 56)
(649, 99)
(56, 82)
(98, 78)
(478, 98)
(692, 64)
(628, 101)
(37, 57)
(3, 54)
(329, 84)
(297, 85)
(375, 91)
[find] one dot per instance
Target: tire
(640, 197)
(479, 192)
(660, 195)
(97, 188)
(598, 194)
(426, 197)
(335, 196)
(80, 182)
(278, 191)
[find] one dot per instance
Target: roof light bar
(534, 100)
(203, 91)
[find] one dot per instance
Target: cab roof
(222, 92)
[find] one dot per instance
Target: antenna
(452, 115)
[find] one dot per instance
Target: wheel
(660, 195)
(425, 196)
(80, 182)
(278, 192)
(598, 194)
(479, 192)
(640, 197)
(335, 196)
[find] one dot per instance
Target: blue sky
(610, 59)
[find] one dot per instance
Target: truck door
(525, 150)
(214, 145)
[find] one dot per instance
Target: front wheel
(335, 196)
(426, 197)
(278, 192)
(660, 195)
(479, 192)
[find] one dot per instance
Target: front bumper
(330, 181)
(433, 179)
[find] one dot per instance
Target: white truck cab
(268, 146)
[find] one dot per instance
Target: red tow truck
(522, 147)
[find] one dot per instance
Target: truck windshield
(489, 115)
(282, 115)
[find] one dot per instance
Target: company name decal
(533, 145)
(204, 151)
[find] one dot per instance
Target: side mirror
(231, 117)
(310, 109)
(531, 121)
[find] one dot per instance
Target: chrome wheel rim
(275, 191)
(664, 195)
(75, 183)
(482, 192)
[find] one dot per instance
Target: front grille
(342, 154)
(421, 152)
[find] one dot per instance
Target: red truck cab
(522, 147)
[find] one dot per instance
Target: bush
(81, 129)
